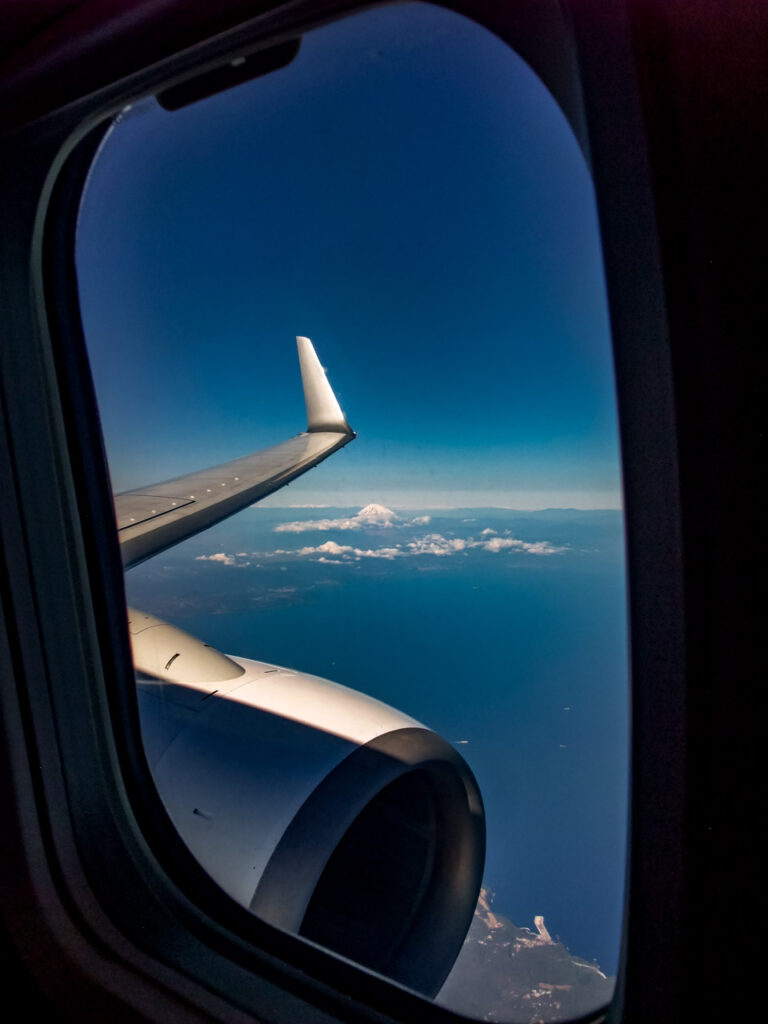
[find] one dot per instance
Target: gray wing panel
(153, 518)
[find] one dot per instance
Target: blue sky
(408, 195)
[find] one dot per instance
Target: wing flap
(139, 508)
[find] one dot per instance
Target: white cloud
(543, 547)
(221, 557)
(330, 547)
(499, 543)
(345, 551)
(487, 532)
(388, 553)
(436, 544)
(539, 547)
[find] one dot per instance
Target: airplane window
(386, 706)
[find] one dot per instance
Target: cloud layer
(373, 517)
(432, 544)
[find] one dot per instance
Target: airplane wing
(153, 518)
(323, 811)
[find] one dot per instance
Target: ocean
(504, 631)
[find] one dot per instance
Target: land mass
(506, 973)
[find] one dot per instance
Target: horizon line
(443, 508)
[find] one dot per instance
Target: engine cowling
(324, 811)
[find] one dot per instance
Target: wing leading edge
(151, 519)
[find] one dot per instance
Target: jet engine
(324, 811)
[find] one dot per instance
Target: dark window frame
(164, 926)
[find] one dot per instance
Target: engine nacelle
(324, 811)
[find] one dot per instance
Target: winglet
(323, 410)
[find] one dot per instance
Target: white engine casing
(325, 811)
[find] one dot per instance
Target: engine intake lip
(383, 861)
